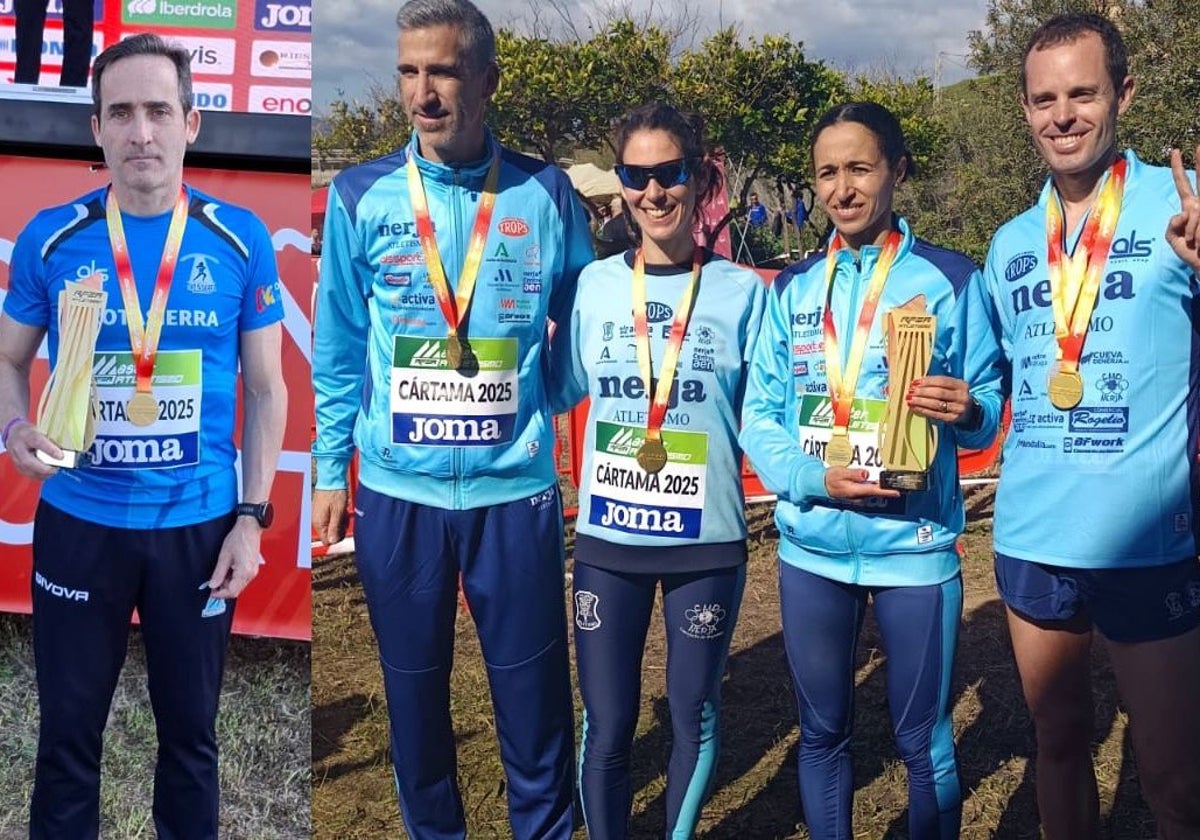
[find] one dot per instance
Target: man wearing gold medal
(1095, 523)
(441, 265)
(152, 518)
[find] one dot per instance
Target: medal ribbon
(144, 335)
(454, 309)
(841, 388)
(1075, 280)
(641, 330)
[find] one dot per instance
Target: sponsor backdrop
(278, 602)
(246, 56)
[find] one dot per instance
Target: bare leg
(1160, 687)
(1053, 660)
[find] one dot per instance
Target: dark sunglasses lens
(634, 177)
(671, 174)
(667, 174)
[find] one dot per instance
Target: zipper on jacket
(851, 321)
(457, 457)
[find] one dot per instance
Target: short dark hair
(475, 35)
(876, 119)
(1070, 27)
(147, 43)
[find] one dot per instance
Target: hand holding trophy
(68, 408)
(909, 441)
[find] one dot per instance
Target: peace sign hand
(1183, 229)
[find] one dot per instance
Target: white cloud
(354, 41)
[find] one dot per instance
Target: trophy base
(70, 460)
(906, 481)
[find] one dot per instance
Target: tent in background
(593, 182)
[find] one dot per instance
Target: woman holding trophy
(875, 360)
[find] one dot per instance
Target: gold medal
(454, 352)
(1065, 389)
(839, 452)
(142, 408)
(652, 456)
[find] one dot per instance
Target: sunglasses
(669, 174)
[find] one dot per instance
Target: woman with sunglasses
(659, 340)
(815, 399)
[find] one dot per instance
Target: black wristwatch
(264, 512)
(972, 419)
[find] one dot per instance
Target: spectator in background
(756, 214)
(614, 235)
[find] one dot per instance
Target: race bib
(626, 498)
(434, 405)
(173, 440)
(816, 423)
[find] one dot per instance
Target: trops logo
(1019, 266)
(188, 14)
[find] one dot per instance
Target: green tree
(361, 131)
(759, 100)
(556, 97)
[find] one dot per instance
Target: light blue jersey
(1112, 482)
(697, 497)
(882, 542)
(425, 432)
(179, 470)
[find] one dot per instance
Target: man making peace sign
(1095, 523)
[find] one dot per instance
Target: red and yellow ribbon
(144, 335)
(454, 309)
(660, 397)
(1075, 280)
(841, 388)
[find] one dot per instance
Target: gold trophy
(68, 408)
(909, 441)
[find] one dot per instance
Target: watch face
(266, 514)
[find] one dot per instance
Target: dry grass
(756, 793)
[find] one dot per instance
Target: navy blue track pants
(87, 580)
(919, 627)
(510, 557)
(612, 616)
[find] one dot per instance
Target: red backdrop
(278, 602)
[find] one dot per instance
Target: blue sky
(354, 41)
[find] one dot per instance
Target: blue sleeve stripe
(352, 184)
(955, 267)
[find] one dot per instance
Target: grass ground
(756, 792)
(263, 728)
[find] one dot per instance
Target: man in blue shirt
(1095, 523)
(756, 215)
(152, 519)
(441, 265)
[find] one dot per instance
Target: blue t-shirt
(697, 496)
(179, 470)
(1110, 483)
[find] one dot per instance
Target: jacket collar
(868, 254)
(454, 173)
